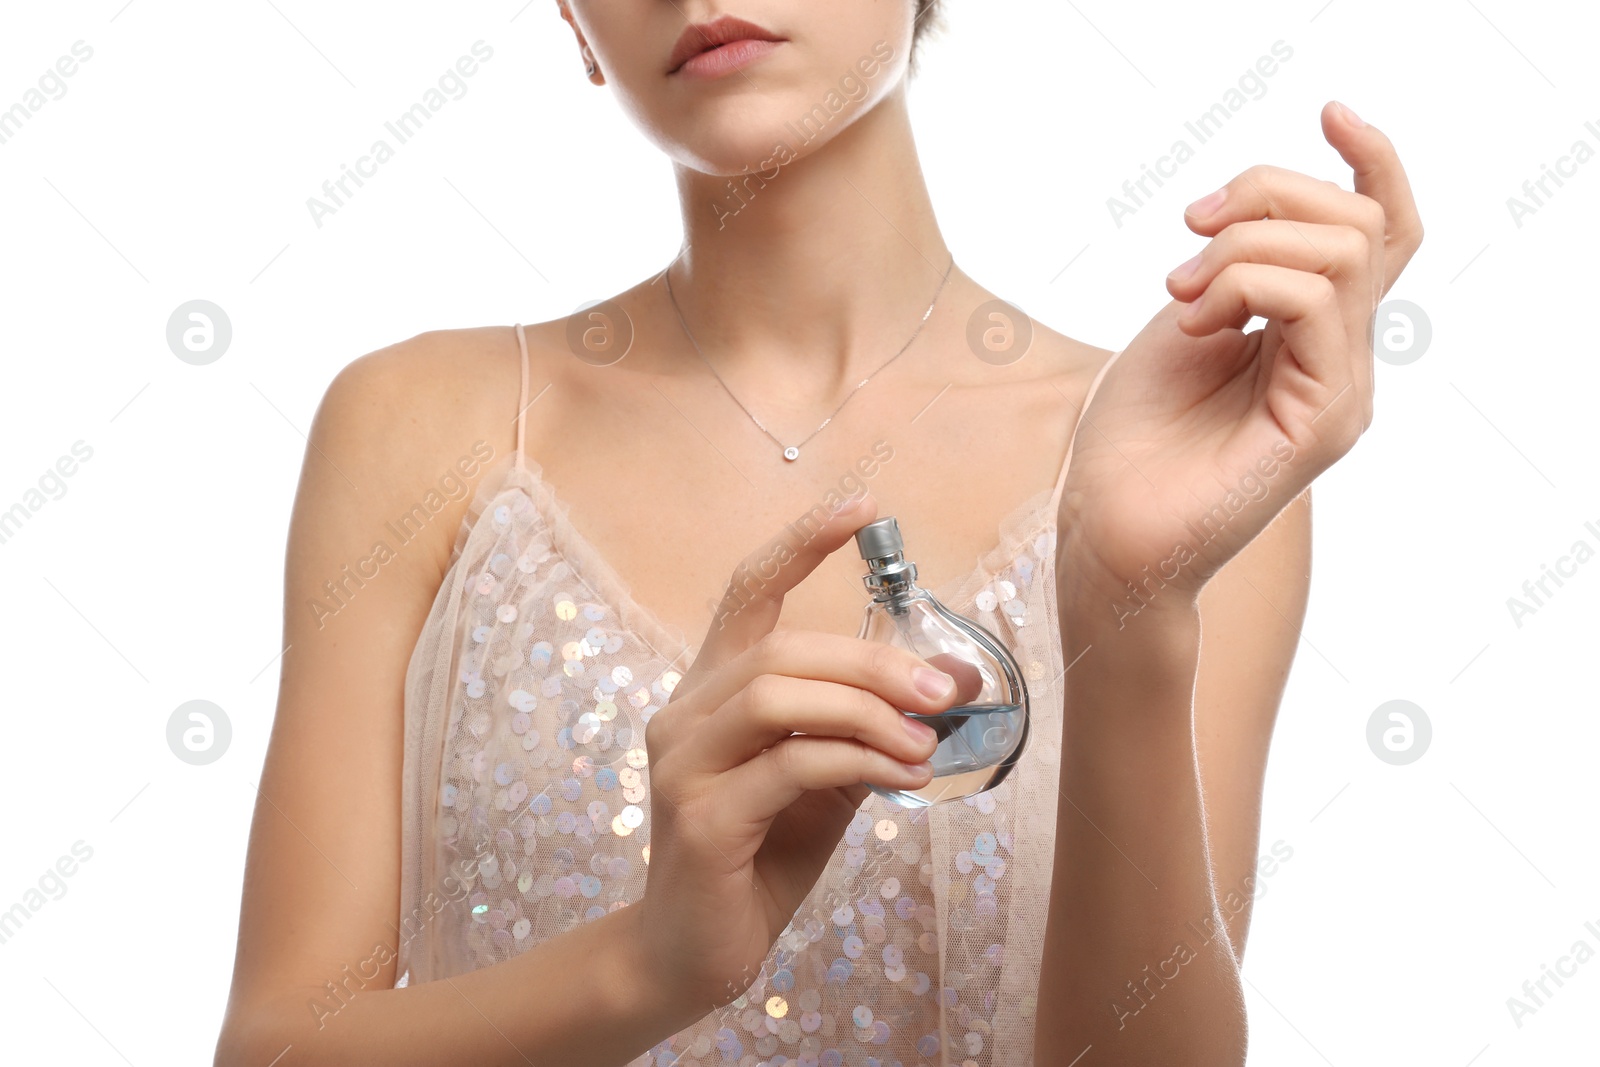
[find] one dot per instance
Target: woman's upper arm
(1251, 612)
(321, 881)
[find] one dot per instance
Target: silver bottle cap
(889, 573)
(879, 539)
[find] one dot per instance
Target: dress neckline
(590, 568)
(1029, 519)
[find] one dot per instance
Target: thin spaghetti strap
(522, 396)
(1061, 477)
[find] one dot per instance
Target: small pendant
(791, 453)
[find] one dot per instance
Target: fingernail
(1355, 120)
(1207, 204)
(919, 731)
(932, 683)
(920, 770)
(1184, 269)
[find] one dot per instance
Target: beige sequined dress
(526, 804)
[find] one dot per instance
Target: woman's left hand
(1200, 433)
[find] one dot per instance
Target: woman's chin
(739, 154)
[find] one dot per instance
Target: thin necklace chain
(792, 452)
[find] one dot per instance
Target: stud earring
(589, 65)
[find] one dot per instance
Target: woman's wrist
(1123, 653)
(1148, 665)
(1093, 601)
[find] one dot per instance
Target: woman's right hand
(745, 814)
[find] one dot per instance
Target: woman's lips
(725, 59)
(719, 47)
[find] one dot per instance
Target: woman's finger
(780, 775)
(969, 680)
(1379, 175)
(1306, 309)
(1340, 253)
(1334, 250)
(889, 672)
(774, 707)
(754, 595)
(1268, 192)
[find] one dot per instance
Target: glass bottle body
(982, 735)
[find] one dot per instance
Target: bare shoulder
(416, 423)
(1027, 352)
(425, 384)
(1070, 364)
(1045, 371)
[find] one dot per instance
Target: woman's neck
(823, 265)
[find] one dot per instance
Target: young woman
(510, 814)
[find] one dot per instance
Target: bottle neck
(890, 578)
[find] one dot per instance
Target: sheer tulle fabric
(526, 805)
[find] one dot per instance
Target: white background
(177, 166)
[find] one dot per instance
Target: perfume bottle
(982, 735)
